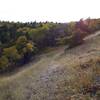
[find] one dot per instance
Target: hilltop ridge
(58, 75)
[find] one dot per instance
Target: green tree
(76, 39)
(12, 54)
(21, 42)
(4, 63)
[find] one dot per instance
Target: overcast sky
(48, 10)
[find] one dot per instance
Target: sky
(48, 10)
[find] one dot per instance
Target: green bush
(4, 63)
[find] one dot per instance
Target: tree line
(19, 42)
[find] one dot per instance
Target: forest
(19, 42)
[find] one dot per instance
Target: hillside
(57, 75)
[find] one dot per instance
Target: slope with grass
(57, 75)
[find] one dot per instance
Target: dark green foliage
(75, 40)
(19, 42)
(4, 63)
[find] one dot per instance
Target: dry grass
(56, 76)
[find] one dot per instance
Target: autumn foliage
(19, 42)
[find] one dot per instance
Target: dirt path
(92, 35)
(53, 77)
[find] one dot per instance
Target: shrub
(4, 63)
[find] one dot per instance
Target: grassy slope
(57, 75)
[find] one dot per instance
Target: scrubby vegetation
(57, 75)
(19, 42)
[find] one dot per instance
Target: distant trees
(19, 42)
